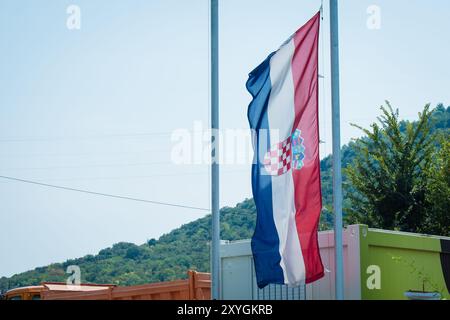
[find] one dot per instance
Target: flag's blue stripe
(265, 241)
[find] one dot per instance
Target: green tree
(437, 196)
(133, 253)
(389, 174)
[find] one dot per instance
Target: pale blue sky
(94, 108)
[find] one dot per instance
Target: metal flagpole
(215, 225)
(337, 174)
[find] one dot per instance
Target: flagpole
(337, 173)
(215, 224)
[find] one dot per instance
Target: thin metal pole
(337, 174)
(215, 225)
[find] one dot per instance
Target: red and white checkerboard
(278, 160)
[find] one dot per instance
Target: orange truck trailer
(196, 287)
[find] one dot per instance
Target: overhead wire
(104, 194)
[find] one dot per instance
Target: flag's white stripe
(281, 111)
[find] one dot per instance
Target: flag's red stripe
(308, 196)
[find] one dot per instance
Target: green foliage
(133, 253)
(437, 195)
(390, 176)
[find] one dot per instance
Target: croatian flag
(286, 171)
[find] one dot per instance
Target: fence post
(191, 284)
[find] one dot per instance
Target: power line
(157, 175)
(103, 136)
(103, 194)
(96, 137)
(93, 166)
(57, 154)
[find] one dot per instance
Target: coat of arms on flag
(298, 150)
(285, 155)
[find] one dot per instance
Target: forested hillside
(170, 256)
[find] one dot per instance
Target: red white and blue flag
(286, 171)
